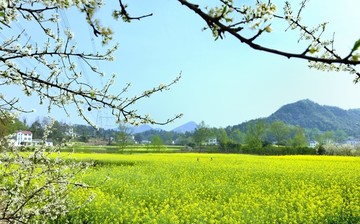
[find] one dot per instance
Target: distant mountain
(188, 127)
(141, 128)
(310, 115)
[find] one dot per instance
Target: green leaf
(92, 94)
(355, 58)
(356, 45)
(2, 14)
(224, 10)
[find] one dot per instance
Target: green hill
(310, 115)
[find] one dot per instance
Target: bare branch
(125, 15)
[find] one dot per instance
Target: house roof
(25, 132)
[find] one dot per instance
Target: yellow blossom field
(218, 188)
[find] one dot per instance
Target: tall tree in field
(157, 143)
(255, 134)
(201, 134)
(237, 136)
(124, 136)
(280, 131)
(223, 139)
(299, 139)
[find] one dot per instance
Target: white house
(39, 142)
(23, 138)
(71, 133)
(313, 144)
(212, 141)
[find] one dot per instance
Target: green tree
(255, 134)
(312, 133)
(325, 138)
(280, 132)
(169, 137)
(59, 132)
(201, 134)
(340, 136)
(223, 139)
(299, 139)
(222, 136)
(185, 140)
(237, 136)
(124, 136)
(37, 129)
(157, 143)
(9, 125)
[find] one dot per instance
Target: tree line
(256, 137)
(257, 134)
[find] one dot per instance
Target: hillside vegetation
(310, 115)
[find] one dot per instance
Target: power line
(66, 25)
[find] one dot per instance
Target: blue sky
(223, 82)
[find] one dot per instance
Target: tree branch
(126, 16)
(212, 22)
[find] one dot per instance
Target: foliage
(310, 116)
(330, 137)
(59, 132)
(321, 149)
(223, 139)
(339, 150)
(124, 136)
(255, 135)
(201, 134)
(315, 119)
(157, 143)
(34, 186)
(37, 129)
(219, 188)
(230, 147)
(237, 136)
(325, 138)
(280, 132)
(9, 124)
(298, 139)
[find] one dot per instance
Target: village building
(23, 138)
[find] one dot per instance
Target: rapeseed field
(218, 188)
